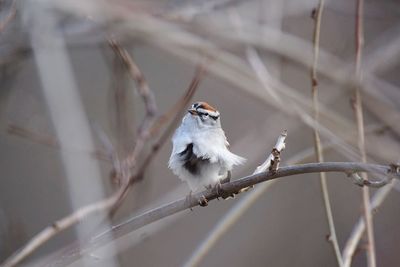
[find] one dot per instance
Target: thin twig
(359, 36)
(317, 16)
(279, 146)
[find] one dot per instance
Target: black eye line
(206, 114)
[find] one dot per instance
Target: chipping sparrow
(200, 154)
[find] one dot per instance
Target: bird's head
(204, 115)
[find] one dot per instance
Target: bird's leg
(210, 187)
(221, 192)
(227, 179)
(218, 186)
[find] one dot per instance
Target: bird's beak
(192, 111)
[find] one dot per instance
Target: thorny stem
(359, 36)
(317, 16)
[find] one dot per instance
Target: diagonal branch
(231, 188)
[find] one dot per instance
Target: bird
(200, 154)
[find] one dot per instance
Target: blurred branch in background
(51, 141)
(359, 228)
(9, 16)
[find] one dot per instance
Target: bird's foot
(221, 192)
(227, 179)
(203, 201)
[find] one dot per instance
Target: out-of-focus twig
(57, 227)
(359, 228)
(32, 136)
(359, 37)
(144, 127)
(147, 96)
(10, 16)
(49, 140)
(317, 16)
(178, 109)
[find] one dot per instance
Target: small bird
(200, 154)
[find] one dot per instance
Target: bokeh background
(61, 80)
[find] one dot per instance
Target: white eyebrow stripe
(211, 113)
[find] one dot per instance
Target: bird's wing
(192, 162)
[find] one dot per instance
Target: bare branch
(229, 188)
(359, 36)
(144, 127)
(146, 94)
(317, 16)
